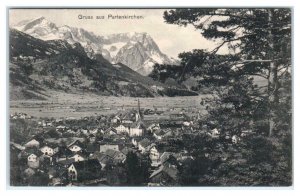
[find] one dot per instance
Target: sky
(171, 39)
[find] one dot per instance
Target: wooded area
(259, 48)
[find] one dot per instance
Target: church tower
(138, 115)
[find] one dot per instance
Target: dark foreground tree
(259, 48)
(250, 87)
(192, 170)
(39, 179)
(137, 169)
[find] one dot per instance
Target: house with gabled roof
(165, 175)
(65, 141)
(168, 133)
(29, 172)
(105, 146)
(34, 142)
(62, 153)
(75, 146)
(32, 156)
(79, 156)
(153, 127)
(122, 128)
(48, 149)
(154, 156)
(158, 135)
(52, 133)
(127, 116)
(170, 160)
(126, 150)
(136, 129)
(144, 145)
(103, 159)
(61, 128)
(65, 163)
(110, 131)
(117, 156)
(165, 155)
(135, 141)
(84, 170)
(17, 147)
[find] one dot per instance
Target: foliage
(115, 174)
(39, 179)
(259, 46)
(251, 92)
(192, 170)
(137, 169)
(21, 130)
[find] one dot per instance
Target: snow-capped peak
(137, 50)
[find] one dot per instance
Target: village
(124, 104)
(92, 151)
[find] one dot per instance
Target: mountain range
(136, 50)
(38, 68)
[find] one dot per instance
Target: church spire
(139, 106)
(139, 113)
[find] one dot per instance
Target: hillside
(136, 50)
(38, 66)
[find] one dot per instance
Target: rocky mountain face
(38, 67)
(136, 50)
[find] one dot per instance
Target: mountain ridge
(109, 46)
(37, 66)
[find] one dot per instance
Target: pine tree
(259, 46)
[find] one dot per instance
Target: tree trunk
(273, 77)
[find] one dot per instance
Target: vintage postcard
(150, 97)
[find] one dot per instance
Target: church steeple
(138, 115)
(139, 106)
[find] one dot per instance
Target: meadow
(62, 105)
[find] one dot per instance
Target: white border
(143, 3)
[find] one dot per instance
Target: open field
(77, 106)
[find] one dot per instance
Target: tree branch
(215, 50)
(266, 77)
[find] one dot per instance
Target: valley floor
(80, 105)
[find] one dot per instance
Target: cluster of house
(76, 159)
(73, 160)
(20, 116)
(215, 133)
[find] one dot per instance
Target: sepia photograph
(150, 97)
